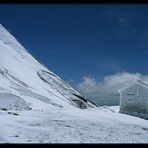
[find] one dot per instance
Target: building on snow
(134, 99)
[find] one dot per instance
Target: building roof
(139, 82)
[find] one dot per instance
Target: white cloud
(87, 85)
(110, 84)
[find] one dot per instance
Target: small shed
(134, 99)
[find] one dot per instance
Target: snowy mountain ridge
(23, 76)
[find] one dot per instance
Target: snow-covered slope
(27, 82)
(99, 125)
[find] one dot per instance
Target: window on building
(130, 92)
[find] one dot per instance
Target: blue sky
(82, 40)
